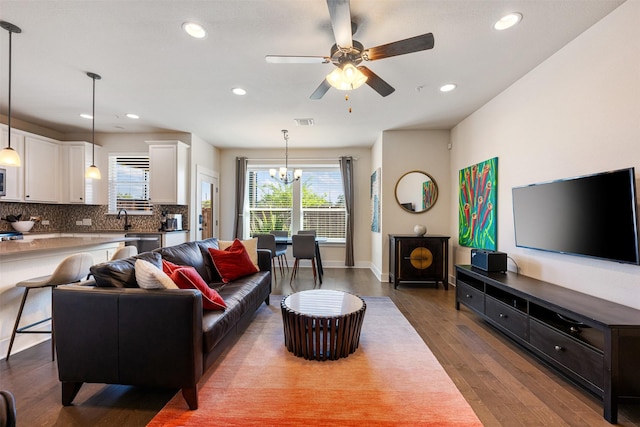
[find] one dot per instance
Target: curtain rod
(298, 158)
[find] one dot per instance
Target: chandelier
(283, 173)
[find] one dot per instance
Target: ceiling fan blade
(376, 83)
(285, 59)
(321, 90)
(401, 47)
(340, 13)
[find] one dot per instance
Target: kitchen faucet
(127, 226)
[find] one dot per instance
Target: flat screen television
(593, 216)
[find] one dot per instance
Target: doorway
(207, 200)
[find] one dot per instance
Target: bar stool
(124, 252)
(71, 269)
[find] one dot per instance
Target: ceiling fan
(347, 55)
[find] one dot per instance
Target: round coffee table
(322, 324)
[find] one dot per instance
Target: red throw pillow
(232, 263)
(169, 267)
(188, 278)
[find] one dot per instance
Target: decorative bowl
(22, 226)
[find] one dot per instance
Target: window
(315, 202)
(129, 184)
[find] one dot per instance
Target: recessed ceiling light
(239, 91)
(133, 116)
(86, 116)
(448, 87)
(508, 21)
(196, 31)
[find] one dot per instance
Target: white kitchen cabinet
(14, 175)
(41, 170)
(169, 172)
(174, 238)
(76, 158)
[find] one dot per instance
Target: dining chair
(281, 248)
(304, 247)
(268, 241)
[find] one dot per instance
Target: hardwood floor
(504, 385)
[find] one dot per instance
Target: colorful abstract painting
(429, 194)
(477, 209)
(375, 201)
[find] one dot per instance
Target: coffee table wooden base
(322, 337)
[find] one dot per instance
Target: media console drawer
(507, 317)
(470, 297)
(579, 358)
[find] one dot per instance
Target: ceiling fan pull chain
(346, 98)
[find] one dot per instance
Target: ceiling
(150, 67)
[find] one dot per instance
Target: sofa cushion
(188, 254)
(233, 262)
(204, 246)
(121, 273)
(188, 278)
(251, 245)
(240, 296)
(149, 276)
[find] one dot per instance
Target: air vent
(304, 122)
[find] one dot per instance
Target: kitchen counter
(29, 246)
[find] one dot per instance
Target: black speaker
(489, 261)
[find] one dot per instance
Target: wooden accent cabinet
(418, 259)
(593, 342)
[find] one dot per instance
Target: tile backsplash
(62, 218)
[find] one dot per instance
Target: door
(207, 204)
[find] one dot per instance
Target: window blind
(129, 184)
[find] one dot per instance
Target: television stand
(593, 342)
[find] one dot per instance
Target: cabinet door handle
(502, 316)
(469, 296)
(558, 348)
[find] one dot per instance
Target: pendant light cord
(9, 105)
(93, 124)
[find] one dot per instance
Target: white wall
(577, 113)
(202, 155)
(332, 255)
(406, 151)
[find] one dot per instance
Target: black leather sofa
(116, 333)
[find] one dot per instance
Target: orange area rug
(392, 379)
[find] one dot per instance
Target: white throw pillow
(149, 276)
(251, 245)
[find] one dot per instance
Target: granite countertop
(17, 247)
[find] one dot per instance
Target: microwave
(3, 182)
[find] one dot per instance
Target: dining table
(281, 240)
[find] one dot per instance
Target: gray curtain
(346, 169)
(241, 177)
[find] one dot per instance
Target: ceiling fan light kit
(346, 78)
(347, 55)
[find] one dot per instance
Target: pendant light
(283, 173)
(9, 156)
(92, 171)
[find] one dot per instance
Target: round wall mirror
(416, 191)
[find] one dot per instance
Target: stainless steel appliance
(145, 242)
(174, 222)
